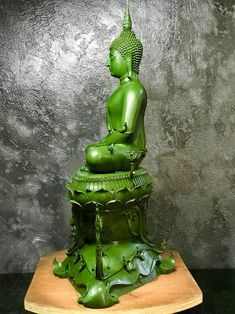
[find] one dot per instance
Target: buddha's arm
(115, 137)
(132, 103)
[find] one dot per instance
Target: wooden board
(169, 293)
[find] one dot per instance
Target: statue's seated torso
(125, 121)
(120, 110)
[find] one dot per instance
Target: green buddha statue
(124, 146)
(112, 253)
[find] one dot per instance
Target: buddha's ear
(129, 63)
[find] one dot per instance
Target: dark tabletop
(218, 287)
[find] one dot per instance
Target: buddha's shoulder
(136, 87)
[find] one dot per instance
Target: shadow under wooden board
(169, 293)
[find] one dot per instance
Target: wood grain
(170, 293)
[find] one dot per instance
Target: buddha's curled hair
(128, 42)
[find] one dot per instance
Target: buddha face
(116, 63)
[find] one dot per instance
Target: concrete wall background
(53, 90)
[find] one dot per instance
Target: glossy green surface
(111, 252)
(124, 146)
(110, 190)
(125, 267)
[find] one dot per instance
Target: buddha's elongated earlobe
(129, 64)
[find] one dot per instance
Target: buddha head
(125, 51)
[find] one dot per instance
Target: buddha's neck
(126, 77)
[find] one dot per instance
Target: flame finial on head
(127, 23)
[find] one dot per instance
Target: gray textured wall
(53, 90)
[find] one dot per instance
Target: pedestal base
(172, 293)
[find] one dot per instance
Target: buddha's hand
(116, 137)
(104, 141)
(98, 144)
